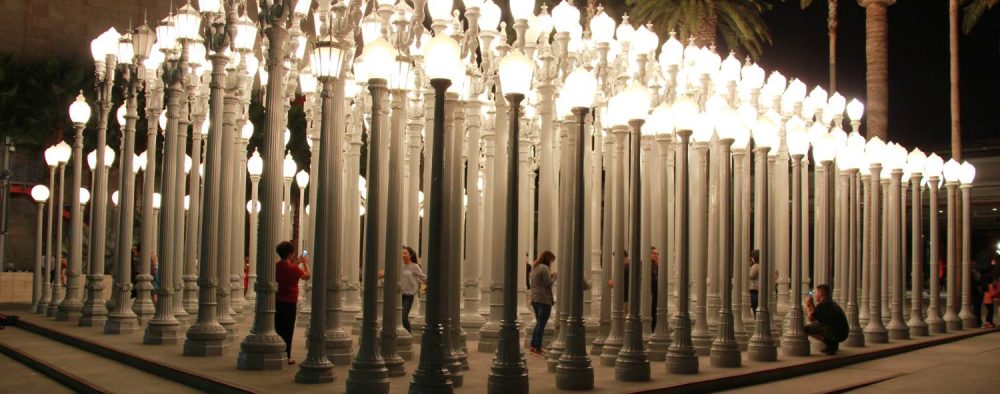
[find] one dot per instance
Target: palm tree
(739, 22)
(831, 25)
(877, 76)
(973, 10)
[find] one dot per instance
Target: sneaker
(831, 349)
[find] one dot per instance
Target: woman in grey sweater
(541, 296)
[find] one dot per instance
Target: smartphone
(810, 293)
(305, 253)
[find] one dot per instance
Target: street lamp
(368, 372)
(933, 167)
(40, 194)
(966, 175)
(49, 297)
(875, 331)
(896, 160)
(288, 167)
(79, 113)
(661, 123)
(574, 370)
(795, 342)
(442, 64)
(917, 162)
(762, 347)
(255, 167)
(725, 351)
(952, 171)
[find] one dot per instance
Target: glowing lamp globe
(326, 59)
(765, 132)
(246, 36)
(579, 89)
(288, 167)
(85, 196)
(933, 165)
(661, 121)
(855, 109)
(602, 28)
(51, 156)
(624, 32)
(519, 9)
(157, 200)
(515, 71)
(79, 111)
(105, 44)
(439, 9)
(302, 6)
(952, 170)
(380, 56)
(255, 164)
(120, 115)
(40, 193)
(247, 131)
(214, 6)
(251, 205)
(302, 179)
(114, 198)
(875, 151)
(63, 152)
(967, 173)
(126, 52)
(672, 51)
(685, 114)
(823, 149)
(916, 161)
(637, 97)
(489, 16)
(442, 58)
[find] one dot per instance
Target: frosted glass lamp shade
(40, 193)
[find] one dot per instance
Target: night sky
(919, 113)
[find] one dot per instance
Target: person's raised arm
(304, 262)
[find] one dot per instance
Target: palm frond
(739, 23)
(973, 10)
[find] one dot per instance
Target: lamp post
(661, 123)
(965, 177)
(725, 351)
(368, 372)
(681, 356)
(952, 171)
(287, 175)
(614, 341)
(794, 341)
(94, 312)
(40, 194)
(255, 167)
(762, 347)
(854, 155)
(700, 147)
(143, 304)
(302, 181)
(79, 113)
(442, 57)
(875, 331)
(932, 170)
(263, 348)
(633, 364)
(50, 276)
(896, 160)
(918, 327)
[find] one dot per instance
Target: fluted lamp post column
(574, 371)
(134, 48)
(326, 64)
(94, 312)
(875, 331)
(263, 349)
(965, 178)
(255, 167)
(854, 154)
(39, 193)
(430, 376)
(46, 280)
(661, 123)
(681, 355)
(932, 171)
(79, 113)
(762, 346)
(952, 171)
(509, 372)
(794, 341)
(917, 161)
(368, 373)
(896, 160)
(632, 364)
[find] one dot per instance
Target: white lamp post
(762, 347)
(794, 341)
(255, 167)
(917, 161)
(875, 331)
(952, 171)
(896, 157)
(933, 167)
(725, 351)
(49, 296)
(966, 175)
(40, 194)
(79, 113)
(661, 123)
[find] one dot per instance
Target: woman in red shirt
(289, 270)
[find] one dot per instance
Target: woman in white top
(410, 279)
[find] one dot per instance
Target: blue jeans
(407, 305)
(542, 312)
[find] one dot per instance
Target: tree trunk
(956, 124)
(831, 24)
(704, 33)
(877, 78)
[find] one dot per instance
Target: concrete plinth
(262, 352)
(206, 341)
(163, 333)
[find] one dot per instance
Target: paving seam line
(166, 371)
(863, 383)
(65, 378)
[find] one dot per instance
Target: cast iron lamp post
(79, 113)
(794, 342)
(875, 331)
(965, 177)
(952, 170)
(916, 160)
(932, 171)
(39, 193)
(48, 296)
(762, 346)
(681, 356)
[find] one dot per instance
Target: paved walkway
(968, 366)
(224, 368)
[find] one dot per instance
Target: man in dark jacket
(827, 322)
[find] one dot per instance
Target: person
(541, 297)
(411, 277)
(246, 275)
(754, 276)
(827, 322)
(289, 270)
(990, 299)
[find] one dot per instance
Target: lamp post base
(795, 345)
(67, 312)
(338, 347)
(163, 333)
(575, 374)
(658, 348)
(315, 373)
(609, 351)
(205, 340)
(682, 361)
(855, 338)
(936, 326)
(702, 342)
(512, 379)
(900, 331)
(876, 336)
(368, 378)
(124, 323)
(918, 328)
(489, 335)
(762, 350)
(725, 355)
(262, 352)
(632, 368)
